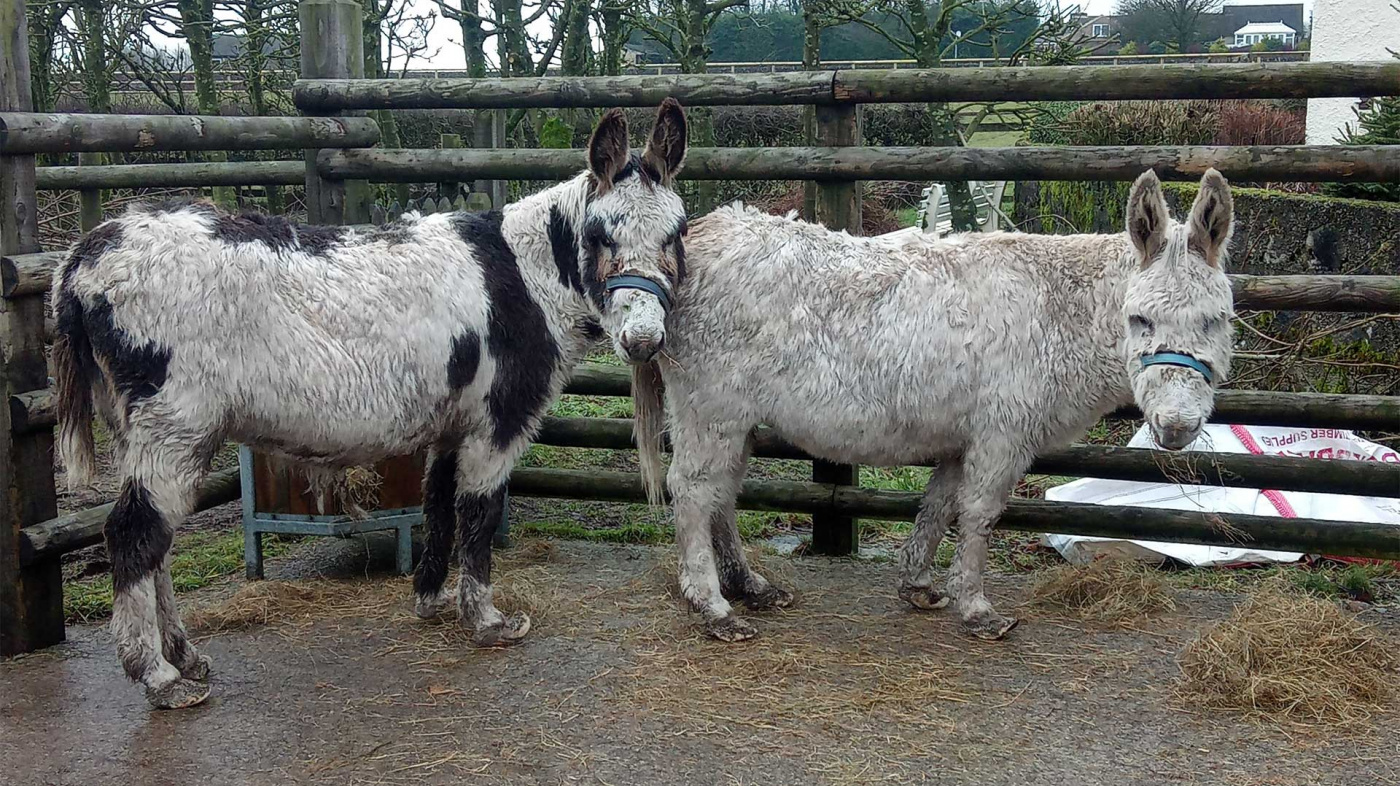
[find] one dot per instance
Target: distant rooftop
(1264, 28)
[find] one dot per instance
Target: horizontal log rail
(1042, 83)
(29, 274)
(1310, 536)
(83, 528)
(26, 133)
(1251, 407)
(194, 175)
(1364, 478)
(1272, 163)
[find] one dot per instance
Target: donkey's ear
(1212, 217)
(1147, 216)
(607, 148)
(666, 151)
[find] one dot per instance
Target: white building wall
(1347, 30)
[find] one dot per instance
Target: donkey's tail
(649, 428)
(75, 376)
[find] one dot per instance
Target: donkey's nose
(644, 349)
(1174, 434)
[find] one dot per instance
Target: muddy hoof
(429, 606)
(769, 597)
(197, 671)
(507, 632)
(990, 626)
(923, 598)
(731, 629)
(178, 695)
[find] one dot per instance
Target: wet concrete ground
(616, 686)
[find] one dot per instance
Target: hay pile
(1293, 658)
(260, 603)
(1106, 591)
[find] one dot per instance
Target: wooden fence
(339, 160)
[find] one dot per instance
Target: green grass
(197, 560)
(994, 139)
(631, 532)
(907, 216)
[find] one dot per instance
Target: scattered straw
(1291, 657)
(259, 603)
(1108, 591)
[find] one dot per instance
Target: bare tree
(47, 52)
(682, 27)
(1015, 31)
(1177, 23)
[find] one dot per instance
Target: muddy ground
(335, 681)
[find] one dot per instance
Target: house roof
(1264, 28)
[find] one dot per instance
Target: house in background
(1234, 16)
(1257, 32)
(1094, 31)
(1348, 31)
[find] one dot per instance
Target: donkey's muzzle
(1175, 435)
(642, 350)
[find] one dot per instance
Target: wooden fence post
(332, 47)
(838, 206)
(31, 597)
(447, 189)
(90, 199)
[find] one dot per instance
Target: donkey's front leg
(702, 485)
(937, 511)
(738, 580)
(482, 474)
(988, 477)
(440, 526)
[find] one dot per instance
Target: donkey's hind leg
(989, 473)
(440, 526)
(163, 474)
(482, 473)
(738, 581)
(703, 483)
(937, 511)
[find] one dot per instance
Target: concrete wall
(1347, 30)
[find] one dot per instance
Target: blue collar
(643, 283)
(1178, 359)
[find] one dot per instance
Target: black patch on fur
(137, 371)
(636, 164)
(517, 334)
(478, 517)
(93, 245)
(137, 538)
(592, 330)
(676, 240)
(596, 237)
(464, 360)
(439, 490)
(276, 232)
(565, 247)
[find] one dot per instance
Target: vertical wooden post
(499, 190)
(90, 199)
(448, 190)
(838, 206)
(332, 47)
(31, 597)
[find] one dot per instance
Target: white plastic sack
(1326, 444)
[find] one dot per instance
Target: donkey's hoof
(731, 629)
(197, 671)
(178, 695)
(770, 597)
(506, 633)
(990, 626)
(923, 598)
(428, 607)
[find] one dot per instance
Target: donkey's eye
(1139, 324)
(1213, 324)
